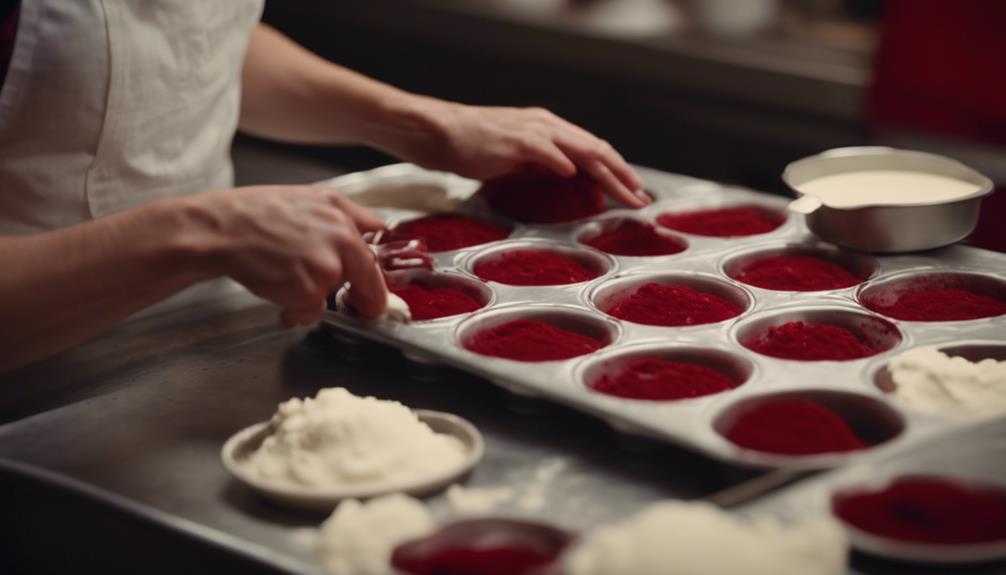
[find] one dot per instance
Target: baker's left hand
(485, 142)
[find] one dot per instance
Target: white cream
(397, 309)
(928, 380)
(886, 188)
(680, 538)
(359, 538)
(339, 440)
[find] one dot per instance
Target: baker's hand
(483, 142)
(291, 245)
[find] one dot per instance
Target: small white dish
(242, 444)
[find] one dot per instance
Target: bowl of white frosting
(315, 452)
(886, 200)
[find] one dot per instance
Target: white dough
(358, 538)
(338, 439)
(885, 187)
(931, 381)
(680, 538)
(397, 310)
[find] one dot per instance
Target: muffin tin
(706, 262)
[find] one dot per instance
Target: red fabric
(939, 70)
(8, 33)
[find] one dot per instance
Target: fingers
(364, 219)
(368, 294)
(595, 160)
(550, 156)
(606, 153)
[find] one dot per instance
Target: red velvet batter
(657, 379)
(635, 238)
(672, 305)
(927, 509)
(531, 340)
(792, 427)
(795, 273)
(810, 342)
(940, 305)
(445, 232)
(533, 268)
(490, 560)
(739, 221)
(543, 197)
(433, 302)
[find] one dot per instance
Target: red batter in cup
(434, 302)
(532, 341)
(792, 427)
(544, 198)
(671, 305)
(810, 342)
(635, 238)
(724, 222)
(927, 509)
(795, 273)
(446, 232)
(659, 379)
(937, 304)
(529, 267)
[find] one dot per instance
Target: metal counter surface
(165, 394)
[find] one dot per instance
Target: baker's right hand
(291, 245)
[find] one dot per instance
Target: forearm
(290, 94)
(63, 287)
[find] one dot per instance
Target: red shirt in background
(941, 69)
(8, 30)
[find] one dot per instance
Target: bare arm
(63, 287)
(292, 95)
(290, 245)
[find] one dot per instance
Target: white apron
(109, 104)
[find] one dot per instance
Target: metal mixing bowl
(887, 228)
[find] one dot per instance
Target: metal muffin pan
(692, 423)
